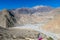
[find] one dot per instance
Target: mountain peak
(42, 8)
(39, 6)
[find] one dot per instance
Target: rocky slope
(38, 15)
(20, 34)
(4, 34)
(54, 24)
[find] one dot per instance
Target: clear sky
(9, 4)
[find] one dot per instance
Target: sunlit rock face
(54, 24)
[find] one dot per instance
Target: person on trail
(40, 37)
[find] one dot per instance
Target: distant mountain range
(21, 16)
(32, 10)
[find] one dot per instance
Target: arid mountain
(21, 16)
(33, 10)
(54, 24)
(31, 18)
(31, 15)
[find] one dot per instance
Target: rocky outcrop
(7, 19)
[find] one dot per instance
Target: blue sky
(11, 4)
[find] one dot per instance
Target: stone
(24, 33)
(4, 34)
